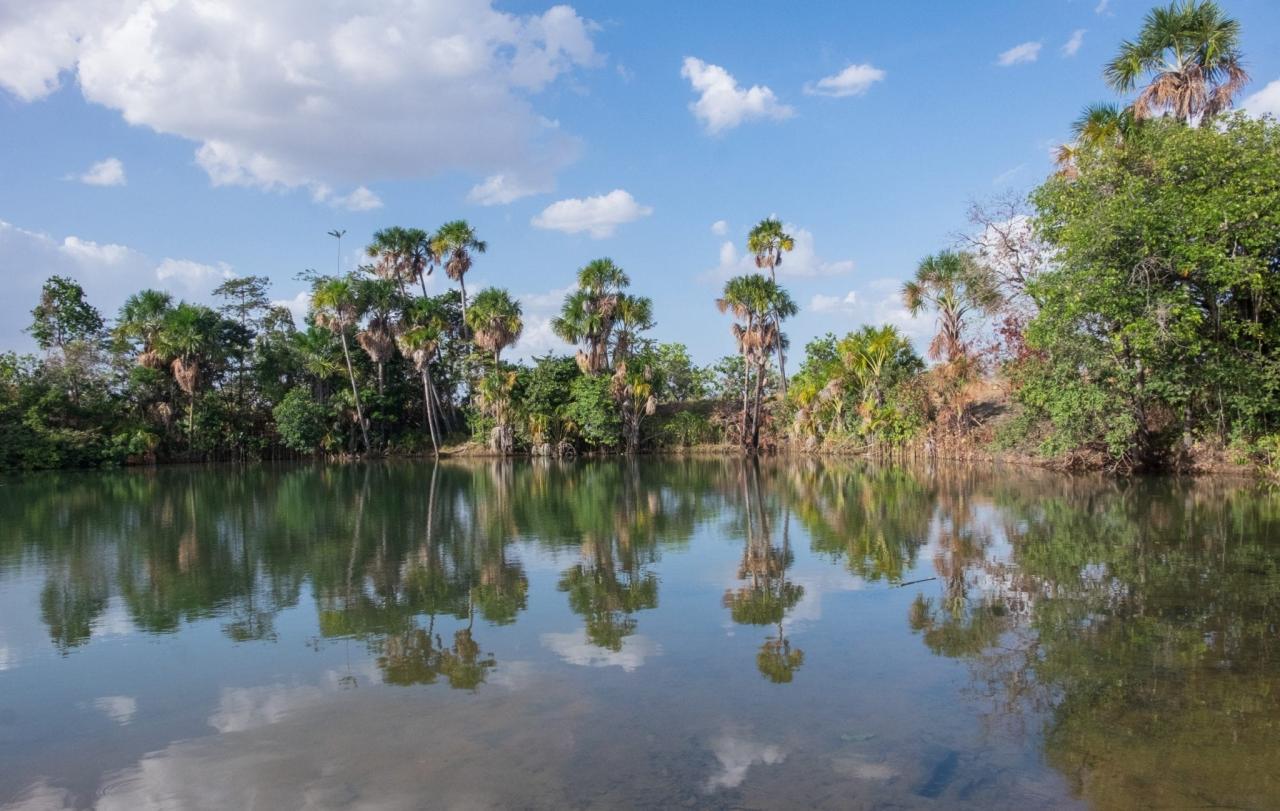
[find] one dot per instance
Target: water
(666, 633)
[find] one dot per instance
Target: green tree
(767, 241)
(63, 316)
(955, 285)
(496, 321)
(590, 312)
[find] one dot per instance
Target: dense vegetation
(1127, 315)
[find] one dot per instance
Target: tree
(378, 299)
(335, 303)
(402, 255)
(759, 304)
(191, 340)
(496, 321)
(453, 244)
(1190, 53)
(248, 305)
(63, 316)
(590, 311)
(955, 285)
(419, 339)
(767, 241)
(141, 319)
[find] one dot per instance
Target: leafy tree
(301, 421)
(63, 316)
(767, 241)
(590, 312)
(955, 285)
(496, 321)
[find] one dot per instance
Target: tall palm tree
(419, 336)
(1099, 126)
(336, 305)
(496, 321)
(188, 339)
(403, 255)
(141, 319)
(767, 241)
(453, 244)
(1190, 52)
(955, 284)
(378, 299)
(758, 304)
(589, 312)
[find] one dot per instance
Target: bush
(301, 421)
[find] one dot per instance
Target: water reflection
(1123, 637)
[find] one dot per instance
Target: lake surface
(662, 633)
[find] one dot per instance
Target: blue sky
(160, 143)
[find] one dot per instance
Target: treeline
(1125, 315)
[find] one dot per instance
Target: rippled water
(701, 633)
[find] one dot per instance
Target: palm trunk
(355, 392)
(463, 285)
(429, 413)
(782, 358)
(755, 418)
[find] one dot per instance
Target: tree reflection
(766, 594)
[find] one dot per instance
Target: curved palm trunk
(355, 392)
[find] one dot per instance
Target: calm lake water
(666, 633)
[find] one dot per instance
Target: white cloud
(1102, 7)
(719, 228)
(1020, 54)
(801, 261)
(600, 216)
(361, 199)
(852, 81)
(295, 93)
(1265, 101)
(501, 189)
(120, 709)
(576, 649)
(736, 756)
(192, 275)
(90, 252)
(821, 303)
(109, 172)
(1072, 46)
(721, 104)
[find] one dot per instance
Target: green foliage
(301, 421)
(1161, 320)
(63, 315)
(592, 413)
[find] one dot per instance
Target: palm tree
(1099, 126)
(758, 304)
(141, 319)
(954, 284)
(496, 321)
(634, 316)
(403, 255)
(1190, 51)
(378, 299)
(589, 312)
(418, 338)
(767, 242)
(336, 305)
(188, 338)
(453, 244)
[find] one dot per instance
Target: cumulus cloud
(108, 272)
(1265, 102)
(538, 338)
(361, 199)
(1103, 7)
(599, 216)
(576, 649)
(802, 261)
(296, 93)
(1020, 55)
(722, 104)
(719, 228)
(1072, 46)
(109, 172)
(852, 81)
(821, 303)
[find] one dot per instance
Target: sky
(174, 144)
